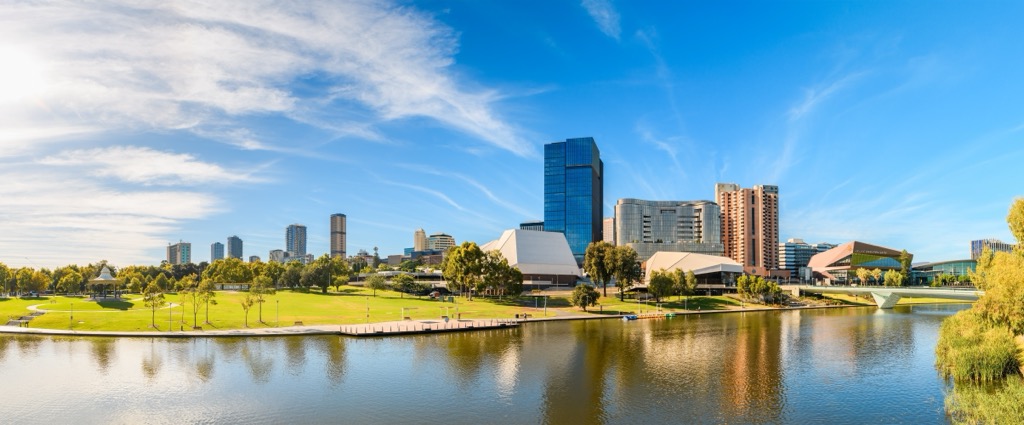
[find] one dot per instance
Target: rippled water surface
(856, 365)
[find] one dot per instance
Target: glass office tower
(574, 192)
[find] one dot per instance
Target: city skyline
(125, 130)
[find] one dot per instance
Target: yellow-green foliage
(972, 349)
(987, 404)
(1001, 275)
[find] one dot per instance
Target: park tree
(584, 296)
(247, 301)
(261, 288)
(189, 294)
(376, 281)
(684, 283)
(876, 274)
(661, 284)
(5, 278)
(228, 270)
(161, 282)
(626, 268)
(409, 265)
(404, 284)
(599, 263)
(743, 286)
(70, 282)
(135, 285)
(318, 274)
(273, 270)
(893, 278)
(207, 296)
(863, 274)
(340, 272)
(905, 259)
(463, 267)
(153, 297)
(499, 276)
(292, 275)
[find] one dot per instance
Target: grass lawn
(348, 306)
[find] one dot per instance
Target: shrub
(972, 349)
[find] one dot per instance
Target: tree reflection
(574, 395)
(753, 379)
(152, 362)
(103, 352)
(333, 350)
(295, 354)
(260, 364)
(466, 352)
(204, 363)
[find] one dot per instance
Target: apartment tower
(338, 241)
(234, 247)
(295, 240)
(750, 225)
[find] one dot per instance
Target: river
(834, 366)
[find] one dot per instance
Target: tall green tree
(228, 270)
(625, 268)
(599, 263)
(262, 287)
(905, 259)
(70, 282)
(404, 284)
(376, 281)
(876, 273)
(584, 296)
(318, 274)
(685, 283)
(661, 284)
(463, 267)
(5, 278)
(499, 277)
(153, 297)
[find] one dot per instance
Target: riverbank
(379, 329)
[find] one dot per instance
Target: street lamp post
(277, 313)
(71, 321)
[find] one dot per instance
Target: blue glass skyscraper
(574, 192)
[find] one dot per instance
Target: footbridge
(887, 296)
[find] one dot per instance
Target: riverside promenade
(381, 329)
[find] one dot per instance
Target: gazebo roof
(104, 277)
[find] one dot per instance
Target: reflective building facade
(574, 192)
(216, 251)
(794, 254)
(234, 247)
(672, 226)
(992, 244)
(295, 240)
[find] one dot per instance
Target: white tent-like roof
(699, 263)
(535, 252)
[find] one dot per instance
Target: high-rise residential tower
(440, 242)
(574, 192)
(609, 230)
(234, 247)
(179, 253)
(338, 241)
(750, 225)
(295, 240)
(994, 245)
(216, 251)
(419, 240)
(672, 226)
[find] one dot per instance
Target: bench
(298, 323)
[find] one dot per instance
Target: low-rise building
(839, 264)
(715, 274)
(544, 258)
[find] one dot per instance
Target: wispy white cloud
(604, 14)
(817, 95)
(472, 182)
(146, 166)
(192, 65)
(51, 216)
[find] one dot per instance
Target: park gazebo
(102, 281)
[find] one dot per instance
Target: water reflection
(814, 366)
(333, 351)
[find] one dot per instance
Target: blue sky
(126, 127)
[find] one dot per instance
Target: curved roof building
(838, 263)
(544, 258)
(710, 269)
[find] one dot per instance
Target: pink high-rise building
(750, 226)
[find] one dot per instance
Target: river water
(834, 366)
